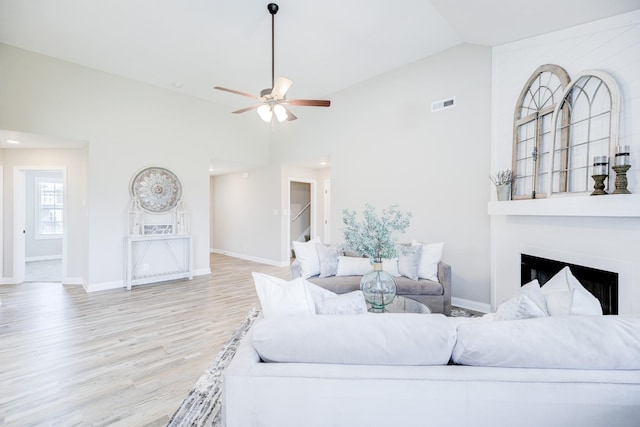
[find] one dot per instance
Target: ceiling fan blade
(281, 87)
(290, 115)
(244, 110)
(308, 102)
(237, 92)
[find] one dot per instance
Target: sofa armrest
(444, 277)
(296, 269)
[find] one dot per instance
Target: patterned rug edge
(201, 407)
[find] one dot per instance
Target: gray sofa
(435, 295)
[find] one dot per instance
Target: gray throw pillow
(409, 261)
(328, 257)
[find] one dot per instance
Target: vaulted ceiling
(192, 45)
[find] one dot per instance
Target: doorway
(40, 220)
(300, 206)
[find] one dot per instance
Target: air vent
(443, 104)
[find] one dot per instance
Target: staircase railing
(301, 212)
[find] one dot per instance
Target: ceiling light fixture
(12, 141)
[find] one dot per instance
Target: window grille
(586, 123)
(49, 208)
(533, 132)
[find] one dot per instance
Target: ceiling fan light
(265, 113)
(280, 112)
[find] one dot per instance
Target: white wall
(605, 242)
(246, 214)
(387, 147)
(128, 125)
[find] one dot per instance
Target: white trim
(250, 258)
(610, 205)
(471, 305)
(122, 284)
(43, 258)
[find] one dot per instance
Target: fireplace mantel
(611, 205)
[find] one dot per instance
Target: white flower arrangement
(502, 177)
(375, 237)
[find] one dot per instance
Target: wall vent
(443, 104)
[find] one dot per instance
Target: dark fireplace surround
(602, 284)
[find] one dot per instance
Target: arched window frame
(525, 164)
(562, 139)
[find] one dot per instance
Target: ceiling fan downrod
(273, 9)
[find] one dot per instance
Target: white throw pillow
(520, 307)
(328, 258)
(353, 266)
(577, 301)
(280, 298)
(429, 259)
(307, 256)
(561, 342)
(390, 265)
(409, 261)
(327, 302)
(400, 339)
(533, 291)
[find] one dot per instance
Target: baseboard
(74, 281)
(251, 258)
(7, 281)
(119, 284)
(471, 305)
(43, 258)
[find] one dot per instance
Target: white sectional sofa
(430, 370)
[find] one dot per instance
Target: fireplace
(602, 284)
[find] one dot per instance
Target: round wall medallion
(158, 189)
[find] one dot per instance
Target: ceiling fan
(273, 100)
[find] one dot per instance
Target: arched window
(533, 132)
(586, 126)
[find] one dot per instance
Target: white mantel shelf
(610, 205)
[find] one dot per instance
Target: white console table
(172, 251)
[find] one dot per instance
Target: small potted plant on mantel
(502, 180)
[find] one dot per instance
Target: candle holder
(621, 179)
(598, 186)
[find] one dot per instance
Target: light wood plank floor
(116, 358)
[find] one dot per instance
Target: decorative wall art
(158, 189)
(156, 192)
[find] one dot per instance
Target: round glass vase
(379, 287)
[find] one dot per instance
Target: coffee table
(401, 304)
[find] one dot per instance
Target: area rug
(202, 406)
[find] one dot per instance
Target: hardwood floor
(116, 358)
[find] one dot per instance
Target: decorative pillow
(353, 266)
(390, 265)
(562, 342)
(533, 291)
(577, 301)
(520, 307)
(398, 339)
(431, 254)
(409, 261)
(307, 256)
(328, 258)
(327, 302)
(280, 298)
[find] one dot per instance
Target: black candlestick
(621, 179)
(598, 187)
